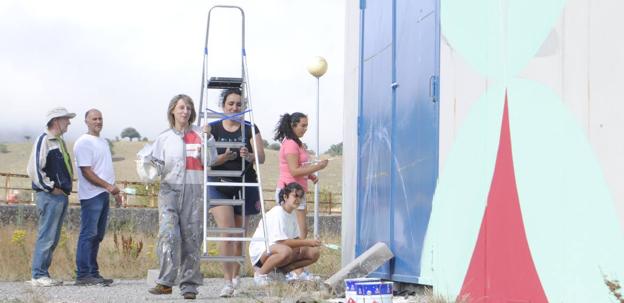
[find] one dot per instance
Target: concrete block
(363, 265)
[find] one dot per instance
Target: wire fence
(16, 189)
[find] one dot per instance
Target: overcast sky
(128, 58)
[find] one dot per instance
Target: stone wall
(144, 220)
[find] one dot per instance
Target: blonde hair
(172, 105)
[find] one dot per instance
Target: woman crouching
(287, 251)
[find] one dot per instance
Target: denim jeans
(52, 209)
(93, 216)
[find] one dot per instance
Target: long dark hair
(284, 127)
(292, 187)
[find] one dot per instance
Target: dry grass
(16, 246)
(437, 298)
(115, 260)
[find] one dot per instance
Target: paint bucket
(350, 293)
(374, 292)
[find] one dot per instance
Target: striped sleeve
(37, 162)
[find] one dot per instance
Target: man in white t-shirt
(288, 252)
(96, 180)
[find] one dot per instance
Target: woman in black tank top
(231, 216)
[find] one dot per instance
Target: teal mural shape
(461, 195)
(498, 37)
(569, 214)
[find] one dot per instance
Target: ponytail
(284, 127)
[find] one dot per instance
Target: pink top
(290, 147)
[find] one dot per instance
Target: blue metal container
(398, 130)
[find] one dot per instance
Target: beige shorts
(302, 202)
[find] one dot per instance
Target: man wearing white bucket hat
(50, 171)
(96, 181)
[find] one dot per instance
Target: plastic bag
(146, 168)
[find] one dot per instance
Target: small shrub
(335, 150)
(18, 237)
(111, 146)
(129, 247)
(4, 149)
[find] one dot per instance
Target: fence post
(124, 194)
(6, 187)
(330, 202)
(152, 198)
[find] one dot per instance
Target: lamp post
(317, 68)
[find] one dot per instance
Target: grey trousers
(180, 209)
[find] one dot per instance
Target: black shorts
(252, 199)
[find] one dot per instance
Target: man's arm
(88, 173)
(37, 162)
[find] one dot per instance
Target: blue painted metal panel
(397, 130)
(416, 133)
(373, 208)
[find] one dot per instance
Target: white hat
(59, 112)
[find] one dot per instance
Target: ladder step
(231, 202)
(239, 259)
(224, 173)
(233, 239)
(225, 82)
(211, 115)
(230, 230)
(226, 144)
(245, 184)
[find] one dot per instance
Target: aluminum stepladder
(212, 234)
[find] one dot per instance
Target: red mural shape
(501, 268)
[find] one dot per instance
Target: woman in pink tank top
(294, 165)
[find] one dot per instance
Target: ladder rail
(204, 84)
(256, 160)
(203, 106)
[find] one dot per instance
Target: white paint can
(374, 292)
(350, 292)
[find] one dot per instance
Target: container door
(398, 130)
(375, 129)
(415, 134)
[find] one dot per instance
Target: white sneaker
(306, 276)
(292, 276)
(235, 282)
(45, 282)
(227, 291)
(261, 280)
(277, 276)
